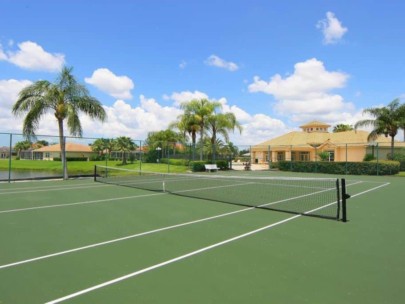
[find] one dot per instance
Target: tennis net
(320, 197)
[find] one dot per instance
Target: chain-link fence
(40, 157)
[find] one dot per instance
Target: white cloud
(331, 28)
(135, 122)
(182, 64)
(9, 90)
(306, 94)
(117, 86)
(180, 97)
(32, 56)
(216, 61)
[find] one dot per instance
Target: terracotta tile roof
(315, 123)
(300, 138)
(70, 147)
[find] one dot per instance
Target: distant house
(4, 152)
(305, 145)
(54, 151)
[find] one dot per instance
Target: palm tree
(22, 146)
(125, 145)
(220, 124)
(342, 128)
(65, 98)
(388, 120)
(199, 110)
(187, 124)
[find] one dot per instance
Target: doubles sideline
(185, 256)
(152, 231)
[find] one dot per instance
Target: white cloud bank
(331, 28)
(307, 93)
(117, 86)
(216, 61)
(32, 56)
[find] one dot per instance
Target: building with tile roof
(314, 137)
(73, 150)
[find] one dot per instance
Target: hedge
(354, 168)
(71, 159)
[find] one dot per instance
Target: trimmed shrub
(353, 168)
(71, 159)
(198, 166)
(222, 164)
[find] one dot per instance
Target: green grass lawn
(76, 167)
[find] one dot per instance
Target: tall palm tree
(65, 98)
(187, 124)
(388, 120)
(200, 110)
(125, 145)
(222, 123)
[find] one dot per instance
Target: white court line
(80, 203)
(182, 257)
(44, 189)
(149, 232)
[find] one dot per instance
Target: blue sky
(275, 64)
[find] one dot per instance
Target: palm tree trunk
(62, 149)
(201, 142)
(392, 147)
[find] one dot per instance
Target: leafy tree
(65, 98)
(124, 144)
(103, 145)
(221, 123)
(22, 146)
(163, 140)
(342, 128)
(388, 120)
(199, 110)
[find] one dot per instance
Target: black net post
(345, 196)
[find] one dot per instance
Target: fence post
(378, 165)
(346, 161)
(9, 157)
(140, 155)
(269, 156)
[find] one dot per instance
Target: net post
(338, 199)
(95, 173)
(345, 196)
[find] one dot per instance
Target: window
(331, 155)
(47, 155)
(280, 156)
(304, 156)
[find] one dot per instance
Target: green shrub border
(352, 168)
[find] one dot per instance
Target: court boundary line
(195, 252)
(80, 203)
(154, 231)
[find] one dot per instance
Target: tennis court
(81, 241)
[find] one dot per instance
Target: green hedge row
(354, 168)
(198, 166)
(71, 159)
(175, 162)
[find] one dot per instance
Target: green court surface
(79, 241)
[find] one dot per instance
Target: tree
(160, 143)
(125, 145)
(342, 128)
(388, 120)
(65, 98)
(103, 145)
(199, 110)
(22, 146)
(221, 123)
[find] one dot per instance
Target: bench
(210, 168)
